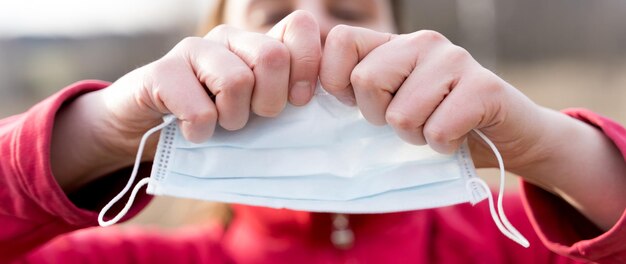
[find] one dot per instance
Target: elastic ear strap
(502, 222)
(166, 121)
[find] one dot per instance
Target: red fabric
(33, 208)
(41, 224)
(565, 230)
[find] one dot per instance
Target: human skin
(428, 89)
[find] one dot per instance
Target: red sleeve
(562, 228)
(33, 208)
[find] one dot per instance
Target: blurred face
(261, 15)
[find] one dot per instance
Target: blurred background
(561, 53)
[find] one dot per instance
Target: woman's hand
(431, 91)
(204, 82)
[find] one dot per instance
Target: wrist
(556, 133)
(519, 135)
(79, 151)
(545, 144)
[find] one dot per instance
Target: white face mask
(322, 157)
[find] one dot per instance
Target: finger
(345, 47)
(301, 34)
(464, 109)
(269, 60)
(383, 71)
(414, 102)
(226, 76)
(176, 90)
(435, 75)
(379, 75)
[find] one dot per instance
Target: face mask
(322, 157)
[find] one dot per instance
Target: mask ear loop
(166, 121)
(502, 222)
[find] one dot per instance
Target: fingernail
(301, 92)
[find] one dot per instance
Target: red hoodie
(39, 223)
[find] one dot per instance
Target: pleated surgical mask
(322, 157)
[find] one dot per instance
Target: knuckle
(188, 43)
(340, 36)
(427, 36)
(366, 79)
(161, 65)
(161, 68)
(456, 54)
(401, 121)
(435, 135)
(273, 53)
(487, 82)
(219, 30)
(363, 78)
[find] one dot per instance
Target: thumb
(300, 32)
